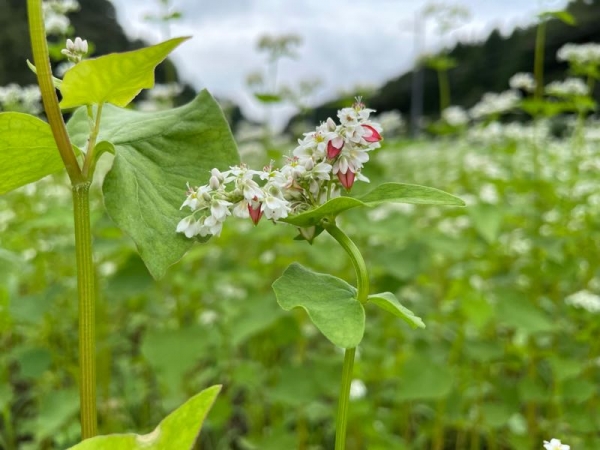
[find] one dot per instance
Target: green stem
(362, 278)
(41, 59)
(538, 70)
(90, 159)
(87, 309)
(83, 240)
(444, 87)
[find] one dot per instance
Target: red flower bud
(371, 135)
(347, 179)
(334, 147)
(255, 212)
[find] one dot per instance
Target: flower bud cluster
(325, 160)
(75, 50)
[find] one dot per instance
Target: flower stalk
(362, 278)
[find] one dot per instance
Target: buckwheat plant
(140, 188)
(307, 192)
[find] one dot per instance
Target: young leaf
(330, 303)
(179, 430)
(387, 192)
(388, 302)
(116, 78)
(564, 16)
(156, 154)
(27, 150)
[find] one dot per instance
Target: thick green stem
(83, 238)
(41, 59)
(87, 311)
(362, 278)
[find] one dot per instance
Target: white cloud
(345, 42)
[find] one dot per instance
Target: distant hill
(96, 21)
(482, 67)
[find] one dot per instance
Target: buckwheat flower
(219, 209)
(571, 87)
(75, 50)
(455, 116)
(348, 117)
(555, 444)
(584, 300)
(522, 80)
(188, 226)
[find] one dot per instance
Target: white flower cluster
(75, 50)
(584, 300)
(55, 18)
(20, 98)
(455, 116)
(581, 54)
(555, 444)
(522, 80)
(571, 87)
(493, 104)
(306, 181)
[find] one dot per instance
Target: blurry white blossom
(524, 81)
(455, 116)
(571, 87)
(583, 54)
(584, 300)
(55, 15)
(25, 99)
(494, 104)
(555, 444)
(357, 389)
(391, 121)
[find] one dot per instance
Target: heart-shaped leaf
(387, 192)
(116, 78)
(388, 302)
(156, 154)
(27, 150)
(330, 303)
(179, 430)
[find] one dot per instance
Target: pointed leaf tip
(388, 302)
(116, 78)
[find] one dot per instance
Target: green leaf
(156, 154)
(384, 193)
(330, 303)
(27, 150)
(563, 16)
(116, 78)
(388, 302)
(179, 430)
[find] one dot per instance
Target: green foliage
(27, 150)
(330, 303)
(116, 78)
(156, 154)
(386, 192)
(178, 430)
(388, 302)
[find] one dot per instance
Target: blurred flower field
(508, 288)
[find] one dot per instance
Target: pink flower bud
(334, 147)
(255, 210)
(347, 179)
(371, 134)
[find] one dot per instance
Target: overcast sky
(345, 42)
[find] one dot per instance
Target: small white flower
(523, 81)
(357, 389)
(555, 444)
